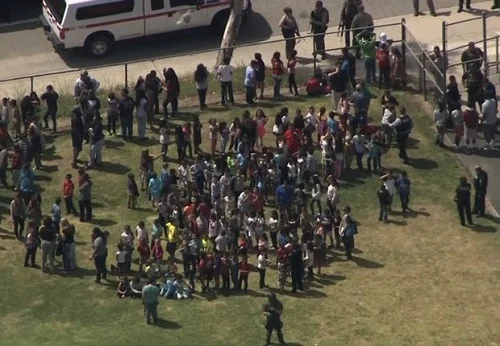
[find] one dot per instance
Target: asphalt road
(30, 53)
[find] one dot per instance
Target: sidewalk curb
(19, 22)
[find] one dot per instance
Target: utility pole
(231, 32)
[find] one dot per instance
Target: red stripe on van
(169, 13)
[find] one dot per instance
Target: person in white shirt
(359, 141)
(85, 82)
(311, 121)
(221, 242)
(388, 118)
(262, 263)
(440, 115)
(225, 74)
(489, 120)
(315, 194)
(332, 195)
(141, 232)
(390, 185)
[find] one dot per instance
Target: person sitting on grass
(136, 286)
(124, 288)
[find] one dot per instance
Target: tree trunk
(231, 32)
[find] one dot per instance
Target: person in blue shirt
(283, 196)
(56, 213)
(403, 184)
(242, 161)
(331, 123)
(250, 82)
(27, 182)
(155, 189)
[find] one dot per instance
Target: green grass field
(421, 279)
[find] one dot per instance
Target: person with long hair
(278, 72)
(292, 83)
(201, 80)
(173, 90)
(260, 74)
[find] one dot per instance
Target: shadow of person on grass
(103, 222)
(166, 324)
(483, 228)
(113, 168)
(366, 263)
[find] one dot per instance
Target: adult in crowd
(250, 83)
(31, 244)
(338, 81)
(430, 4)
(472, 57)
(489, 121)
(225, 75)
(77, 134)
(47, 234)
(480, 191)
(84, 198)
(99, 254)
(126, 111)
(96, 142)
(150, 294)
(27, 182)
(348, 230)
(141, 105)
(347, 14)
(348, 60)
(201, 80)
(51, 97)
(362, 21)
(319, 20)
(153, 88)
(84, 84)
(403, 126)
(473, 80)
(68, 239)
(462, 199)
(289, 29)
(18, 215)
(173, 89)
(273, 310)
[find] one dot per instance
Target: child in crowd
(144, 253)
(359, 143)
(68, 189)
(112, 113)
(121, 259)
(384, 65)
(244, 269)
(197, 126)
(373, 149)
(56, 214)
(133, 192)
(179, 140)
(224, 136)
(123, 289)
(157, 252)
(212, 134)
(164, 139)
(155, 189)
(187, 132)
(272, 225)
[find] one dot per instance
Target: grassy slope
(421, 279)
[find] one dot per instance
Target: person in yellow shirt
(172, 238)
(206, 244)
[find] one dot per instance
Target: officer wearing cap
(273, 310)
(403, 126)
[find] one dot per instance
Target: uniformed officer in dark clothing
(473, 81)
(403, 126)
(319, 20)
(296, 268)
(349, 10)
(462, 198)
(273, 310)
(480, 187)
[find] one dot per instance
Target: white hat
(383, 37)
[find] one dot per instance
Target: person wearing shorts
(471, 120)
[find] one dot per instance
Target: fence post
(31, 84)
(423, 78)
(314, 55)
(403, 39)
(126, 76)
(444, 60)
(496, 52)
(485, 47)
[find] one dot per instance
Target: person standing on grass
(150, 294)
(351, 61)
(173, 88)
(27, 183)
(481, 188)
(291, 64)
(77, 134)
(201, 80)
(51, 98)
(96, 133)
(348, 230)
(440, 115)
(47, 235)
(390, 185)
(250, 82)
(289, 29)
(462, 199)
(384, 200)
(384, 65)
(141, 104)
(297, 268)
(367, 43)
(260, 74)
(273, 310)
(31, 244)
(18, 215)
(362, 21)
(99, 254)
(338, 81)
(126, 112)
(84, 200)
(403, 184)
(262, 263)
(225, 75)
(68, 239)
(403, 126)
(278, 72)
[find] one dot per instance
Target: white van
(97, 24)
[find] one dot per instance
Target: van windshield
(57, 8)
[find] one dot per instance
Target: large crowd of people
(222, 212)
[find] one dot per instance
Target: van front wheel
(99, 46)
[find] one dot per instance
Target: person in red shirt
(204, 209)
(157, 251)
(471, 119)
(244, 271)
(257, 200)
(68, 188)
(293, 139)
(278, 72)
(144, 253)
(384, 65)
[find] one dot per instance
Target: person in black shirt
(297, 268)
(126, 106)
(47, 235)
(481, 188)
(462, 199)
(351, 59)
(349, 11)
(50, 97)
(77, 134)
(452, 94)
(384, 200)
(298, 121)
(319, 20)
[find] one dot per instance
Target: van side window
(104, 10)
(157, 5)
(180, 3)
